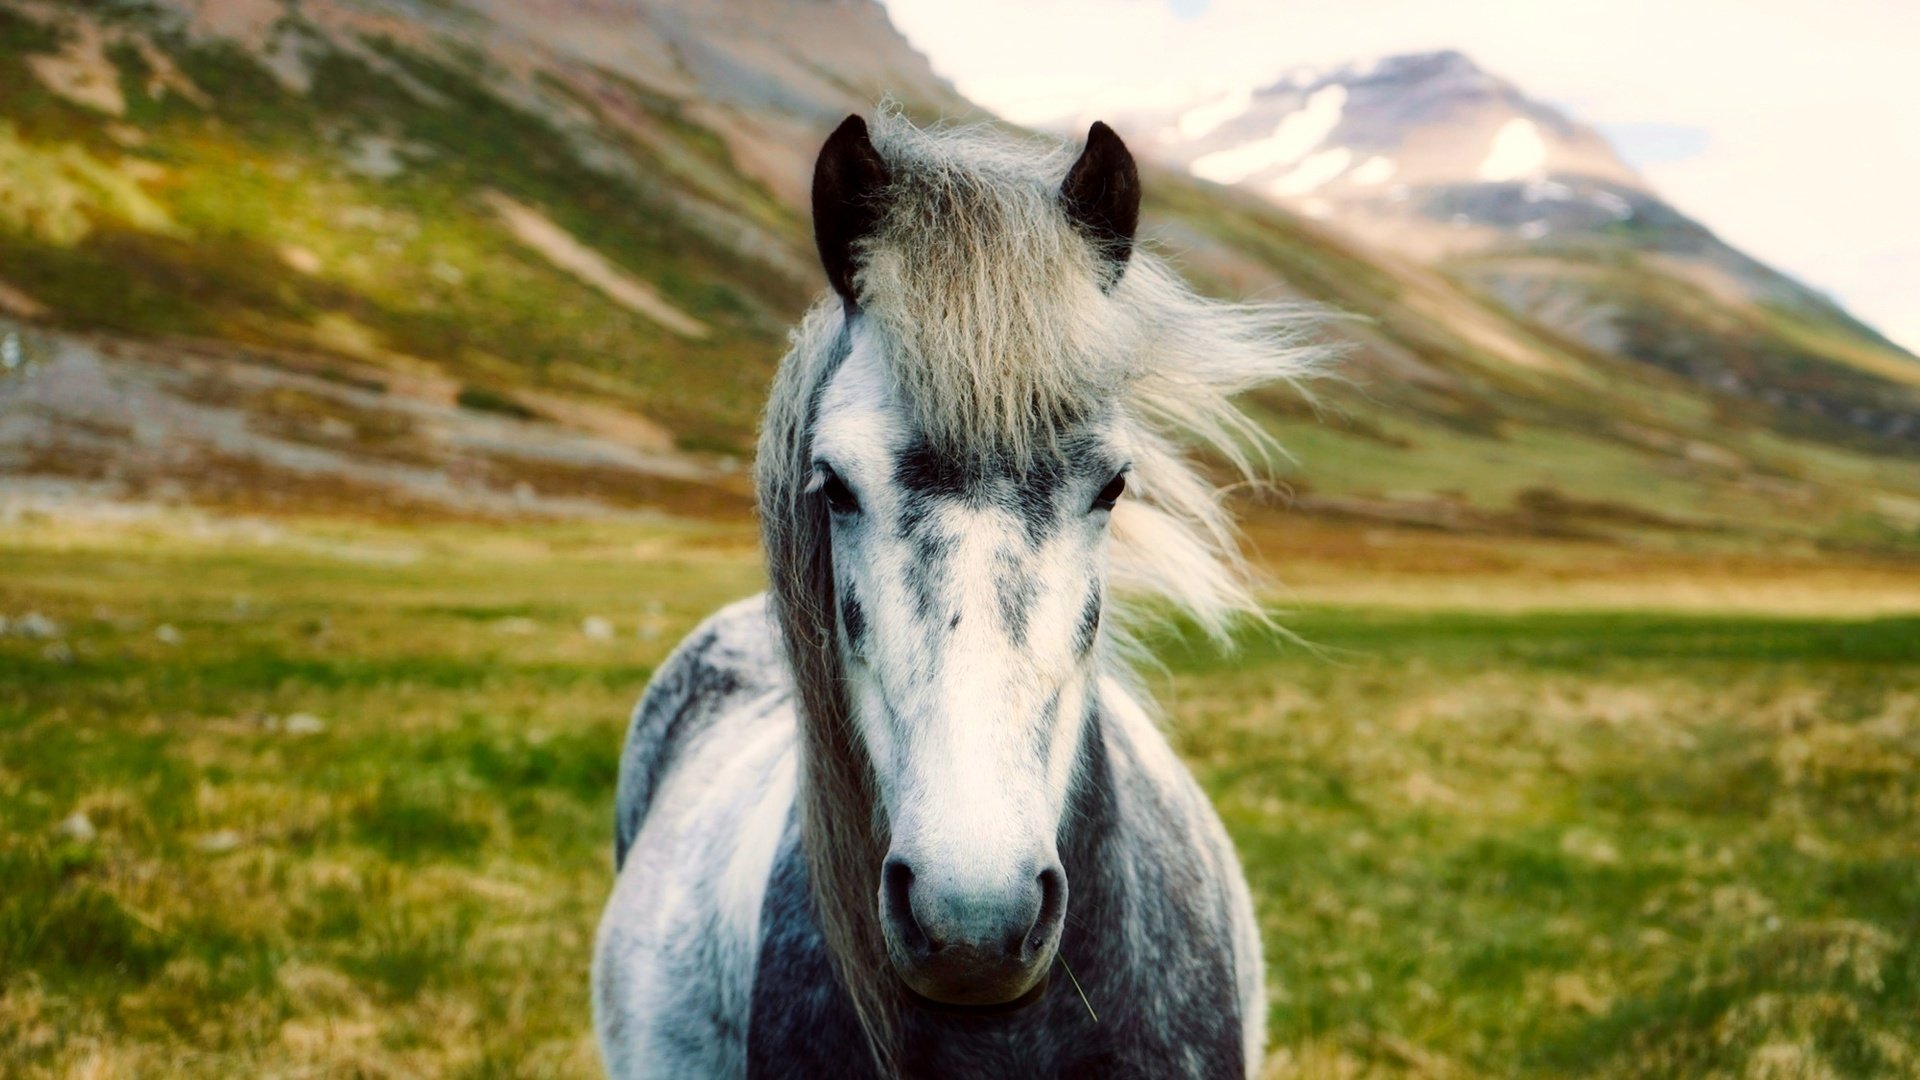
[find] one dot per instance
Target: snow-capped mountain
(1432, 157)
(1426, 153)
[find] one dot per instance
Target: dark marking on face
(1049, 719)
(923, 470)
(954, 623)
(930, 553)
(1035, 497)
(1089, 631)
(852, 619)
(1016, 590)
(915, 509)
(1031, 491)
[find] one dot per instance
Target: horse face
(970, 597)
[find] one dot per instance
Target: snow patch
(1546, 191)
(1517, 152)
(1311, 173)
(1296, 135)
(1202, 120)
(1612, 204)
(1377, 170)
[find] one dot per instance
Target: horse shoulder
(706, 791)
(732, 655)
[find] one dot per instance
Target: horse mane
(996, 324)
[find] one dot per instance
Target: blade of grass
(1076, 986)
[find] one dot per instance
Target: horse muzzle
(961, 942)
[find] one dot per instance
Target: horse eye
(839, 497)
(1111, 493)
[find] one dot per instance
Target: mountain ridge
(1431, 156)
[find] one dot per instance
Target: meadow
(317, 798)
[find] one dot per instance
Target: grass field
(309, 799)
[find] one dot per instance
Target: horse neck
(1090, 841)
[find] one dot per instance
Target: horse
(908, 813)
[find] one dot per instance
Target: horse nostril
(1053, 907)
(896, 886)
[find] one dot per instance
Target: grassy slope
(1490, 430)
(1827, 375)
(413, 269)
(1652, 841)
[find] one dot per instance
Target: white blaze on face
(967, 605)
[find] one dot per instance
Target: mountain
(494, 257)
(1372, 136)
(1431, 157)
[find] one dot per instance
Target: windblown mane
(996, 326)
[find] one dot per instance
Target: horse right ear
(1102, 198)
(848, 180)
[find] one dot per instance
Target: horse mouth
(1032, 994)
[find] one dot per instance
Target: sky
(1789, 127)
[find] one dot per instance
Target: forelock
(987, 301)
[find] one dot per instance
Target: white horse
(905, 815)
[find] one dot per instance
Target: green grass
(1570, 844)
(1562, 844)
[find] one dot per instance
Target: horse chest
(1178, 1018)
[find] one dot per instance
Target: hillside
(490, 257)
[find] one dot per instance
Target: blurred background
(377, 392)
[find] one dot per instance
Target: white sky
(1790, 127)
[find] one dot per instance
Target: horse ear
(848, 179)
(1102, 197)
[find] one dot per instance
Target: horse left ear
(848, 180)
(1102, 198)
